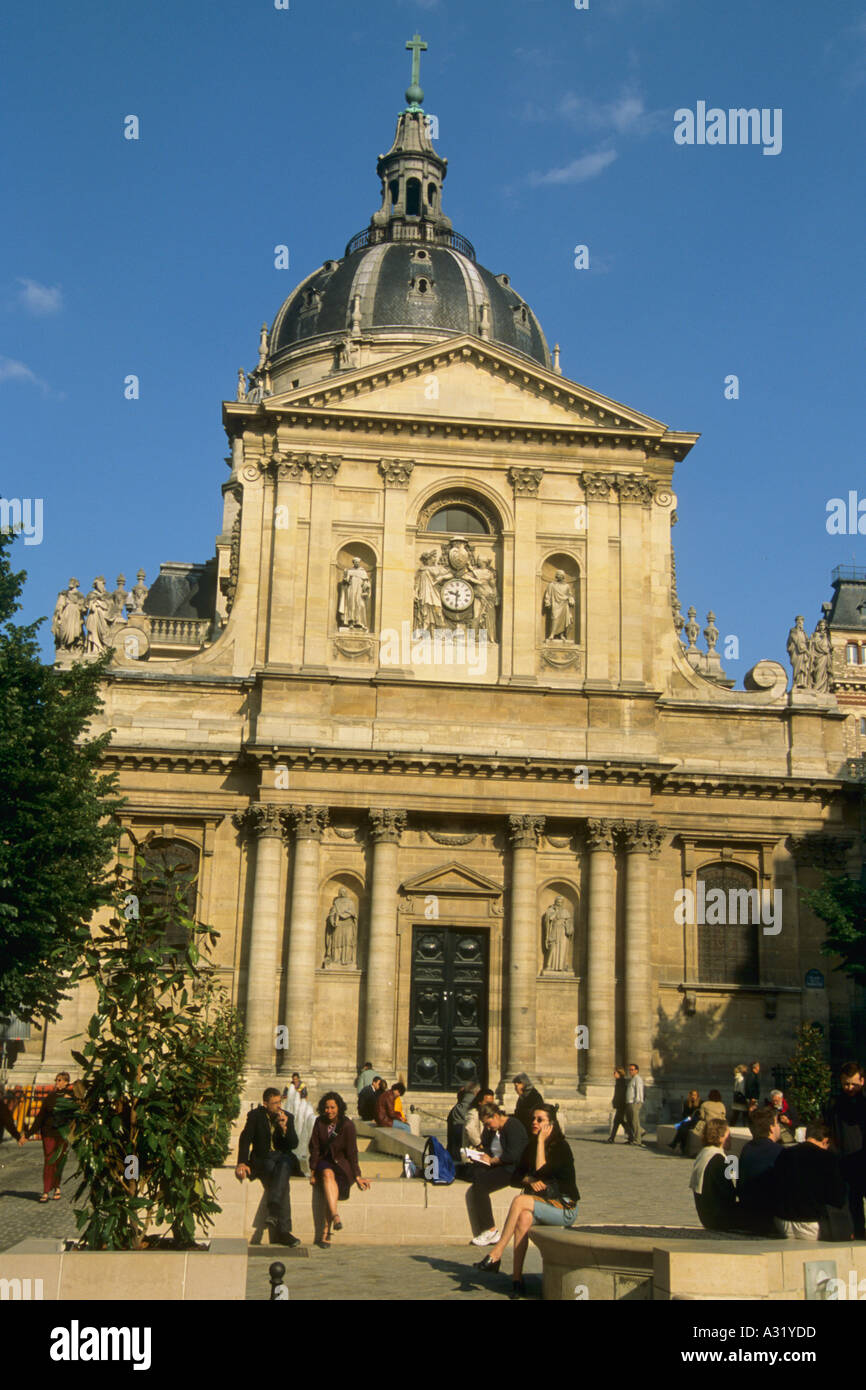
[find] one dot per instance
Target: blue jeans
(401, 1124)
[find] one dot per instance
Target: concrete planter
(171, 1276)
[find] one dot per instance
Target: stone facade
(505, 707)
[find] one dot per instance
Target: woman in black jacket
(550, 1196)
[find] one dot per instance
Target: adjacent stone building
(431, 727)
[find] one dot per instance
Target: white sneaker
(486, 1238)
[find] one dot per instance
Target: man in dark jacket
(503, 1140)
(846, 1119)
(265, 1152)
(386, 1115)
(367, 1099)
(755, 1178)
(618, 1104)
(528, 1099)
(752, 1088)
(808, 1187)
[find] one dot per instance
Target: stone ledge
(693, 1264)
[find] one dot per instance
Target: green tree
(161, 1069)
(809, 1076)
(840, 902)
(57, 826)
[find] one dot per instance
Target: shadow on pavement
(468, 1279)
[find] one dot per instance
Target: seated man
(711, 1181)
(367, 1098)
(755, 1179)
(787, 1117)
(387, 1116)
(457, 1117)
(503, 1142)
(265, 1151)
(809, 1191)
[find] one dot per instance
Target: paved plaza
(619, 1186)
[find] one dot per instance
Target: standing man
(634, 1098)
(846, 1119)
(618, 1104)
(752, 1089)
(265, 1151)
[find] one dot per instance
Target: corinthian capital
(599, 835)
(633, 488)
(396, 472)
(525, 830)
(308, 822)
(262, 820)
(596, 486)
(387, 826)
(323, 467)
(525, 481)
(640, 836)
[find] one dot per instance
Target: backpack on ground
(438, 1164)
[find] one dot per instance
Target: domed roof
(409, 269)
(408, 285)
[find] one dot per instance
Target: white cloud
(578, 171)
(12, 370)
(39, 299)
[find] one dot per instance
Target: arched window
(166, 870)
(394, 189)
(460, 520)
(729, 902)
(413, 198)
(431, 194)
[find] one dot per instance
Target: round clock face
(456, 595)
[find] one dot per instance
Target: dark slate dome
(409, 269)
(408, 285)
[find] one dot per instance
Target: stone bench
(665, 1136)
(684, 1263)
(395, 1211)
(393, 1141)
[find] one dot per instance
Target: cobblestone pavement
(620, 1186)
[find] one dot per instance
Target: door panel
(448, 1008)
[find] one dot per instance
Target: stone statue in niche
(559, 608)
(341, 934)
(355, 590)
(558, 934)
(428, 602)
(66, 625)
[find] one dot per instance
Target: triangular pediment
(452, 878)
(467, 378)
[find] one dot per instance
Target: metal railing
(857, 572)
(398, 231)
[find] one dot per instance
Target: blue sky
(261, 126)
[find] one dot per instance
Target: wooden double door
(448, 1008)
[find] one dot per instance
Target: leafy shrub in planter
(161, 1069)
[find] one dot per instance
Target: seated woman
(546, 1172)
(713, 1108)
(712, 1182)
(691, 1106)
(473, 1129)
(333, 1162)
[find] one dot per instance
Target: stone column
(600, 622)
(264, 823)
(397, 567)
(525, 482)
(642, 839)
(284, 639)
(601, 937)
(318, 621)
(635, 496)
(386, 828)
(522, 944)
(308, 823)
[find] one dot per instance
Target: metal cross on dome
(414, 94)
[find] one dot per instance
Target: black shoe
(286, 1238)
(518, 1289)
(488, 1264)
(609, 1141)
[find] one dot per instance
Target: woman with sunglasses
(549, 1197)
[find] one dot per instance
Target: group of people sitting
(696, 1113)
(378, 1102)
(526, 1150)
(813, 1190)
(267, 1151)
